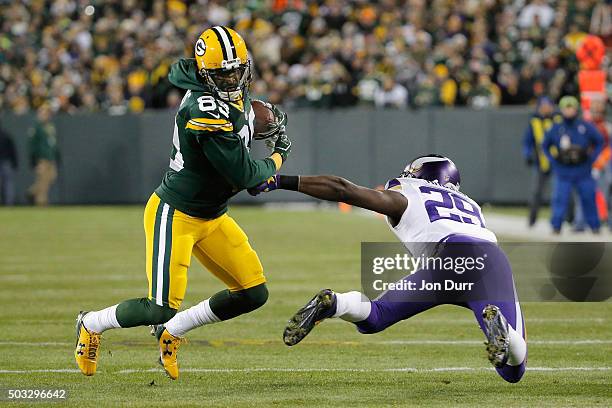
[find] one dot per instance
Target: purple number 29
(456, 207)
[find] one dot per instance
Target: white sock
(189, 319)
(517, 349)
(352, 306)
(102, 320)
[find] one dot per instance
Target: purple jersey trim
(393, 183)
(466, 239)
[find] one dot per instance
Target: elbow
(342, 188)
(240, 185)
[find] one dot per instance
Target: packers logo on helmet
(223, 62)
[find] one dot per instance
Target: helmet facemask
(230, 82)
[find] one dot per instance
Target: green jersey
(210, 159)
(43, 143)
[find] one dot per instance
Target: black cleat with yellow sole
(320, 307)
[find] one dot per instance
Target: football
(265, 121)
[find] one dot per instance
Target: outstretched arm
(334, 188)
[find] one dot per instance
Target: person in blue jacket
(571, 147)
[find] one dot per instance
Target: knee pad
(227, 305)
(142, 312)
(512, 374)
(367, 328)
(254, 298)
(159, 314)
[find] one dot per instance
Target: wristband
(289, 182)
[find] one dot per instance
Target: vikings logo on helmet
(223, 62)
(434, 168)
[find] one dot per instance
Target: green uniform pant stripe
(158, 215)
(167, 255)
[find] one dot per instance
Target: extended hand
(270, 184)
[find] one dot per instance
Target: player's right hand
(282, 145)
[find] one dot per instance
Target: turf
(54, 262)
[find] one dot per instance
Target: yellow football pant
(219, 244)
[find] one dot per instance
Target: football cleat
(87, 347)
(320, 307)
(498, 341)
(168, 350)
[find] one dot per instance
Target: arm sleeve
(229, 155)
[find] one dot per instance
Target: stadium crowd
(114, 55)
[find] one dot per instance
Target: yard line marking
(458, 342)
(355, 370)
(256, 342)
(33, 343)
(309, 370)
(50, 370)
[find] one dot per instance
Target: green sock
(142, 312)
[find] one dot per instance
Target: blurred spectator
(8, 165)
(44, 155)
(114, 55)
(541, 121)
(537, 13)
(390, 94)
(602, 168)
(485, 94)
(601, 21)
(577, 144)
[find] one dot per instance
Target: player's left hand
(281, 117)
(270, 184)
(281, 123)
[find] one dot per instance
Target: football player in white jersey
(430, 216)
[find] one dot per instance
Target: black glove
(281, 117)
(282, 145)
(272, 132)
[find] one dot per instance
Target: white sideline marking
(311, 370)
(364, 343)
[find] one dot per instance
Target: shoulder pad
(206, 113)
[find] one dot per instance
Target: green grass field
(56, 261)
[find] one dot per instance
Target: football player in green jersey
(186, 214)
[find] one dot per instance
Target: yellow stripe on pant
(219, 244)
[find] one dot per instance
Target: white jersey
(435, 213)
